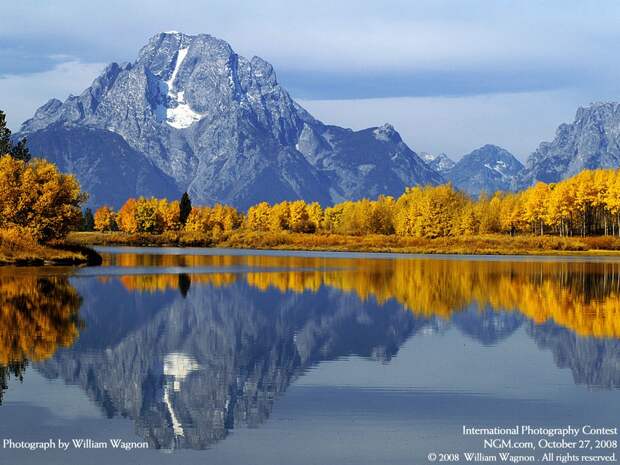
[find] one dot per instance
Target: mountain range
(189, 114)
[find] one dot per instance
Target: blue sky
(450, 75)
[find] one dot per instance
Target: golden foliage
(583, 297)
(36, 196)
(586, 204)
(37, 316)
(217, 219)
(105, 219)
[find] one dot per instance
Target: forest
(587, 204)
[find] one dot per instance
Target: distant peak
(596, 107)
(602, 104)
(386, 133)
(491, 148)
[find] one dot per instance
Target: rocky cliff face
(591, 141)
(489, 168)
(222, 127)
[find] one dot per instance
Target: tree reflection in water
(191, 355)
(38, 315)
(583, 297)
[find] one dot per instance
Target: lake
(239, 357)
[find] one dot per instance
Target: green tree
(18, 151)
(185, 208)
(88, 220)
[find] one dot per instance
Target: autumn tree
(299, 219)
(36, 196)
(612, 200)
(148, 216)
(257, 218)
(381, 219)
(197, 220)
(217, 219)
(279, 217)
(126, 218)
(430, 211)
(105, 219)
(315, 215)
(170, 214)
(535, 206)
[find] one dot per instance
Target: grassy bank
(20, 249)
(484, 244)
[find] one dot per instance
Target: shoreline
(474, 245)
(54, 255)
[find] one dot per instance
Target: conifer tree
(18, 151)
(185, 208)
(88, 220)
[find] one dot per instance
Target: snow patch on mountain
(487, 169)
(439, 162)
(224, 130)
(181, 115)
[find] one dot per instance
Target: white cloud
(21, 95)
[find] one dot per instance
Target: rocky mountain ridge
(591, 141)
(439, 162)
(487, 169)
(221, 127)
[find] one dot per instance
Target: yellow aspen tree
(535, 206)
(105, 219)
(36, 196)
(315, 215)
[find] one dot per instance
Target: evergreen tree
(185, 207)
(88, 220)
(18, 151)
(5, 135)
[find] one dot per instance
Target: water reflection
(199, 365)
(38, 315)
(191, 347)
(581, 296)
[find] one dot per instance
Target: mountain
(107, 165)
(591, 141)
(220, 126)
(438, 162)
(489, 168)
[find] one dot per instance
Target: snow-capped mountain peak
(219, 126)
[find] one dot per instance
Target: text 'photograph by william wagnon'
(285, 232)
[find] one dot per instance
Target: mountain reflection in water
(190, 347)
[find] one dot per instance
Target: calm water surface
(224, 357)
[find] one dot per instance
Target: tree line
(586, 204)
(36, 199)
(580, 296)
